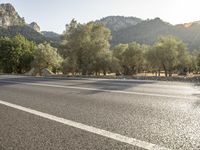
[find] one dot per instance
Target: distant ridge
(148, 31)
(115, 23)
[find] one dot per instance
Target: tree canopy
(16, 54)
(85, 50)
(169, 54)
(45, 56)
(84, 45)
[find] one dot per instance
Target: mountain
(34, 26)
(24, 30)
(149, 31)
(123, 29)
(51, 35)
(115, 23)
(189, 34)
(189, 24)
(9, 16)
(144, 32)
(12, 24)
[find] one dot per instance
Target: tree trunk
(170, 73)
(104, 73)
(84, 72)
(165, 70)
(156, 73)
(126, 70)
(40, 72)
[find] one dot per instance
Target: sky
(53, 15)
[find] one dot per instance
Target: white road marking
(108, 134)
(102, 90)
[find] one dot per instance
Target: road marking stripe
(101, 90)
(111, 135)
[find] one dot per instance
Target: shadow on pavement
(119, 85)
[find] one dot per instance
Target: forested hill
(51, 35)
(149, 31)
(26, 31)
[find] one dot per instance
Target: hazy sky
(52, 15)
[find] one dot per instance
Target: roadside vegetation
(85, 50)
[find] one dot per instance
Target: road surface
(39, 113)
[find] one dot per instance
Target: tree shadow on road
(94, 86)
(113, 85)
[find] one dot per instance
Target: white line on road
(101, 90)
(111, 135)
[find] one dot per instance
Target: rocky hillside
(115, 23)
(34, 26)
(12, 24)
(24, 30)
(9, 17)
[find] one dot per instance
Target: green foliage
(16, 54)
(196, 60)
(102, 62)
(24, 30)
(193, 62)
(130, 56)
(69, 66)
(119, 50)
(153, 64)
(168, 53)
(85, 45)
(45, 56)
(133, 59)
(85, 50)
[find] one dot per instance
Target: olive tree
(45, 56)
(168, 53)
(84, 44)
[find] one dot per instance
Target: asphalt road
(164, 114)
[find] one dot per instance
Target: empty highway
(38, 113)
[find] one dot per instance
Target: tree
(117, 60)
(153, 63)
(69, 66)
(83, 44)
(102, 62)
(27, 49)
(115, 66)
(16, 54)
(169, 53)
(130, 57)
(193, 62)
(119, 50)
(45, 56)
(196, 57)
(133, 59)
(183, 59)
